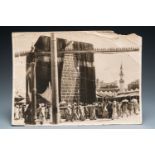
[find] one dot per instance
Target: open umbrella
(18, 98)
(125, 100)
(134, 100)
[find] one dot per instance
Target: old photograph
(76, 78)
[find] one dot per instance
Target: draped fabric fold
(87, 79)
(84, 61)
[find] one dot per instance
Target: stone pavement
(134, 119)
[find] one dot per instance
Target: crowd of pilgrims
(26, 111)
(106, 109)
(77, 111)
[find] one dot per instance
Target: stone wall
(70, 82)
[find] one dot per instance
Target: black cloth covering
(87, 72)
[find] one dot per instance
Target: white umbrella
(125, 100)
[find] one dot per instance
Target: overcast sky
(108, 66)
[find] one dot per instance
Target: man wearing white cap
(125, 107)
(135, 105)
(114, 110)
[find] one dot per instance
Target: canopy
(128, 94)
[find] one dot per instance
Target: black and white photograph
(76, 78)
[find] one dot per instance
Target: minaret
(121, 81)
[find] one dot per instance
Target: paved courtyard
(134, 119)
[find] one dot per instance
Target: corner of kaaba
(76, 73)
